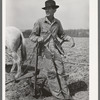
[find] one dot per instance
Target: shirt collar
(47, 21)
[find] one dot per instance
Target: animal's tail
(23, 49)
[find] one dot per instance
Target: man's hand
(40, 39)
(34, 38)
(68, 38)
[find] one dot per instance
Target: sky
(73, 14)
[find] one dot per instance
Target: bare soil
(76, 66)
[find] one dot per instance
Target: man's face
(50, 11)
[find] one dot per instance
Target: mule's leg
(17, 60)
(18, 67)
(14, 65)
(14, 61)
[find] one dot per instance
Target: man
(46, 32)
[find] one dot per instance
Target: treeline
(27, 33)
(78, 32)
(71, 32)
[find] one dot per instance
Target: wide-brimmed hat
(50, 3)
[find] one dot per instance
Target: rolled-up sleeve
(60, 31)
(35, 32)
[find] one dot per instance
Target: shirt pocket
(44, 31)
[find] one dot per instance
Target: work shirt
(43, 27)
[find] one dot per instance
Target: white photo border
(93, 49)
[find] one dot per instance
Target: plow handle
(36, 65)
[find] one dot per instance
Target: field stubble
(76, 66)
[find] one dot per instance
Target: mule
(14, 41)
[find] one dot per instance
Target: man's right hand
(40, 39)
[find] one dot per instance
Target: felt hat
(50, 3)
